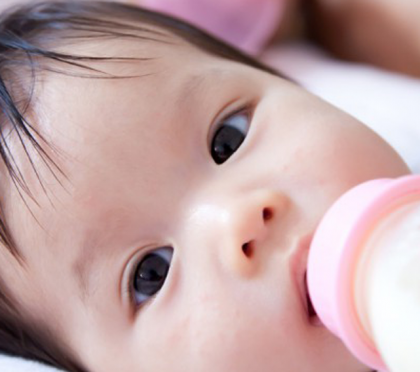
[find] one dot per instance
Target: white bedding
(388, 103)
(9, 364)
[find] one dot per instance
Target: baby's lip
(312, 315)
(298, 266)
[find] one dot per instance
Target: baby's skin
(144, 192)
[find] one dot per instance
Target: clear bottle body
(387, 287)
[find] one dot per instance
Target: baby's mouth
(312, 315)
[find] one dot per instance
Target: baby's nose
(237, 230)
(248, 228)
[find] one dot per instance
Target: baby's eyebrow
(105, 222)
(190, 87)
(82, 265)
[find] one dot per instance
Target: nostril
(247, 249)
(267, 214)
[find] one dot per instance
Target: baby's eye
(230, 135)
(150, 274)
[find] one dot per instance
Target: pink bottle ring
(334, 252)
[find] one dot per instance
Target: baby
(159, 194)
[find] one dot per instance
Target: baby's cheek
(202, 337)
(215, 337)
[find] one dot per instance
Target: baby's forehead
(146, 72)
(76, 115)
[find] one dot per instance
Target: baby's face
(154, 257)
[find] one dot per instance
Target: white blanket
(388, 103)
(9, 364)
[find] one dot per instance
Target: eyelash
(247, 109)
(128, 288)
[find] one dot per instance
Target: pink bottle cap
(247, 24)
(334, 252)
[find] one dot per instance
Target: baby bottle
(364, 272)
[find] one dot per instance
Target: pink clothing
(247, 24)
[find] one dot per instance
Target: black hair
(29, 36)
